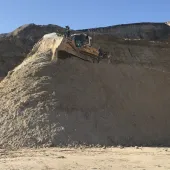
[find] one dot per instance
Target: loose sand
(86, 159)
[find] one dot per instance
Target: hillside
(70, 101)
(16, 45)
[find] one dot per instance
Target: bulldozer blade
(84, 53)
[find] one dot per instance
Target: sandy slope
(86, 159)
(45, 103)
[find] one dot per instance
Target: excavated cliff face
(16, 45)
(145, 31)
(150, 54)
(70, 102)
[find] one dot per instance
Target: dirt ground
(86, 159)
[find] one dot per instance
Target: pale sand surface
(86, 159)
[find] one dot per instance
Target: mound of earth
(70, 101)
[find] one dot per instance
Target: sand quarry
(68, 102)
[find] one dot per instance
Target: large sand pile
(46, 103)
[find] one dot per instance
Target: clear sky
(81, 13)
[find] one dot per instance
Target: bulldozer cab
(79, 39)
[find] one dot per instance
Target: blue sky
(81, 13)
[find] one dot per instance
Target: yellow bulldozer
(79, 45)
